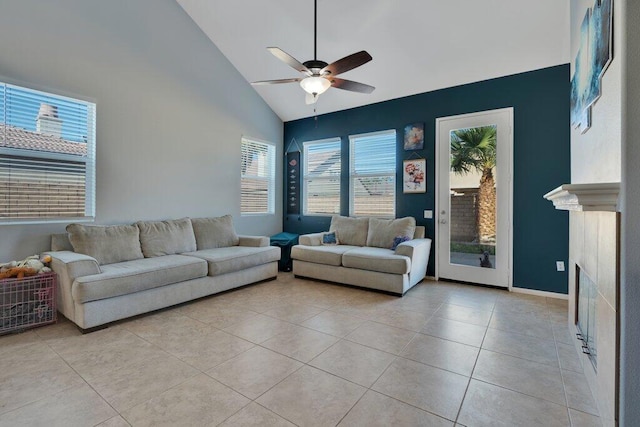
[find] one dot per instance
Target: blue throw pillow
(398, 240)
(330, 238)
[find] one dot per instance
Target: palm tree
(474, 149)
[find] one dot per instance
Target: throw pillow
(330, 239)
(215, 232)
(159, 238)
(398, 240)
(382, 231)
(107, 244)
(352, 231)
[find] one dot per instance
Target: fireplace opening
(587, 292)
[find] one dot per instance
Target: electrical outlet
(428, 214)
(559, 265)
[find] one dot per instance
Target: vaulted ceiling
(417, 45)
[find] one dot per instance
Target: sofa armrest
(418, 251)
(313, 239)
(69, 266)
(254, 241)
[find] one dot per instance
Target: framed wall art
(414, 176)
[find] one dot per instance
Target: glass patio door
(474, 197)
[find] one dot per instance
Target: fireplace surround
(594, 248)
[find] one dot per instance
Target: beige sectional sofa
(108, 273)
(386, 255)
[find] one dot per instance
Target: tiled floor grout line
(466, 390)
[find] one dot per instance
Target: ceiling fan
(318, 76)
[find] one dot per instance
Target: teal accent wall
(541, 153)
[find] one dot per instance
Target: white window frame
(46, 159)
(391, 173)
(307, 176)
(270, 179)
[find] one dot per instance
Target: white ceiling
(417, 45)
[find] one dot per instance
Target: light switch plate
(428, 214)
(560, 265)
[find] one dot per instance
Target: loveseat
(108, 273)
(386, 255)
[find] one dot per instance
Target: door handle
(443, 221)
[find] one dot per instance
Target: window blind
(372, 174)
(257, 178)
(322, 167)
(47, 157)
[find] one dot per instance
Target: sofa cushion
(214, 232)
(124, 278)
(329, 255)
(383, 231)
(236, 258)
(107, 244)
(376, 259)
(170, 237)
(351, 231)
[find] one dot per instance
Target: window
(322, 177)
(258, 177)
(47, 157)
(372, 174)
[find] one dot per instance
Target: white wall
(171, 109)
(595, 155)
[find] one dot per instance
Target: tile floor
(298, 352)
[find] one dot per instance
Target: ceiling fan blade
(275, 82)
(288, 59)
(311, 99)
(351, 85)
(347, 63)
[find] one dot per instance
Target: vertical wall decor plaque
(293, 182)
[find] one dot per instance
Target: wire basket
(27, 302)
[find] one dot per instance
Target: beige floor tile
(522, 324)
(522, 346)
(472, 301)
(382, 337)
(33, 373)
(204, 349)
(354, 362)
(77, 343)
(254, 415)
(79, 406)
(294, 313)
(524, 376)
(417, 304)
(254, 371)
(580, 419)
(464, 314)
(112, 356)
(137, 383)
(300, 343)
(579, 395)
(405, 319)
(375, 409)
(11, 343)
(453, 330)
(63, 328)
(311, 397)
(259, 328)
(333, 323)
(432, 389)
(569, 357)
(563, 335)
(200, 400)
(445, 354)
(219, 315)
(487, 405)
(114, 422)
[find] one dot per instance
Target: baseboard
(540, 293)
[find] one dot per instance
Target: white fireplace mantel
(585, 197)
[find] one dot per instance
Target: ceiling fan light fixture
(315, 85)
